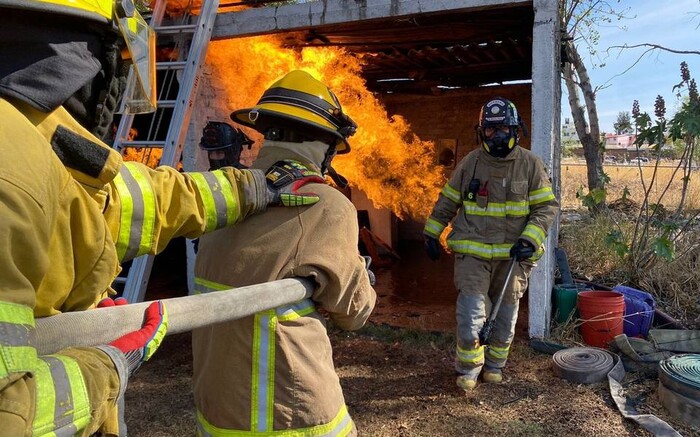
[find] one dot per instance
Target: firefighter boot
(466, 382)
(492, 375)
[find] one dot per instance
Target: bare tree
(579, 21)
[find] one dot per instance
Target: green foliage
(663, 247)
(623, 122)
(616, 241)
(591, 199)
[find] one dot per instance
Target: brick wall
(452, 115)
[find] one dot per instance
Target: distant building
(622, 141)
(568, 132)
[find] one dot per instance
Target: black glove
(432, 248)
(522, 250)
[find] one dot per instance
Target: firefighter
(272, 373)
(72, 210)
(502, 198)
(224, 144)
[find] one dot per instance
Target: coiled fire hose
(582, 365)
(585, 365)
(679, 387)
(103, 325)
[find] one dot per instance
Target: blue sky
(674, 24)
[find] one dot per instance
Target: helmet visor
(141, 43)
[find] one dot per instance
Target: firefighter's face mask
(140, 42)
(499, 141)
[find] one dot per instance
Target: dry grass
(573, 176)
(675, 284)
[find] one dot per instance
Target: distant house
(621, 141)
(568, 132)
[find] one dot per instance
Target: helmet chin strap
(326, 168)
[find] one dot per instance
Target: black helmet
(222, 137)
(499, 112)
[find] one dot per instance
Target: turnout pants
(479, 281)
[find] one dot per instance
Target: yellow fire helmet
(139, 36)
(300, 103)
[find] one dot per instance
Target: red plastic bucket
(602, 314)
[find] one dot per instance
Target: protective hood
(45, 67)
(309, 153)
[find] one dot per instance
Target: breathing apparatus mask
(498, 126)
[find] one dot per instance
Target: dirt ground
(398, 378)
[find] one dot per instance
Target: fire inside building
(413, 76)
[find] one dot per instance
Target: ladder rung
(166, 103)
(119, 280)
(183, 28)
(174, 65)
(137, 143)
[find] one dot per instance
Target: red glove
(109, 302)
(139, 346)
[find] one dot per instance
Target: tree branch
(656, 47)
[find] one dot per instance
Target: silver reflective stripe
(63, 402)
(12, 334)
(263, 366)
(217, 194)
(135, 227)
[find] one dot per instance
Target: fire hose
(103, 325)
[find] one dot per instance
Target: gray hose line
(582, 365)
(103, 325)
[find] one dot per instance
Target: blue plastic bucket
(639, 311)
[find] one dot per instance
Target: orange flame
(394, 167)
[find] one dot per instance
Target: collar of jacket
(90, 161)
(516, 153)
(308, 153)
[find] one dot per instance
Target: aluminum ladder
(191, 37)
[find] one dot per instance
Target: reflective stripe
(262, 396)
(340, 426)
(433, 228)
(534, 233)
(493, 209)
(296, 310)
(62, 406)
(498, 353)
(221, 206)
(138, 212)
(451, 193)
(471, 357)
(202, 285)
(16, 334)
(481, 250)
(541, 195)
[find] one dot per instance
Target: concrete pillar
(546, 96)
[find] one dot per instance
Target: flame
(394, 167)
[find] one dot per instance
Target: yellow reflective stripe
(498, 353)
(494, 209)
(202, 285)
(220, 200)
(541, 195)
(262, 396)
(433, 228)
(232, 205)
(451, 193)
(62, 405)
(158, 336)
(340, 426)
(149, 208)
(470, 356)
(292, 312)
(534, 233)
(481, 250)
(126, 211)
(16, 335)
(137, 212)
(207, 200)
